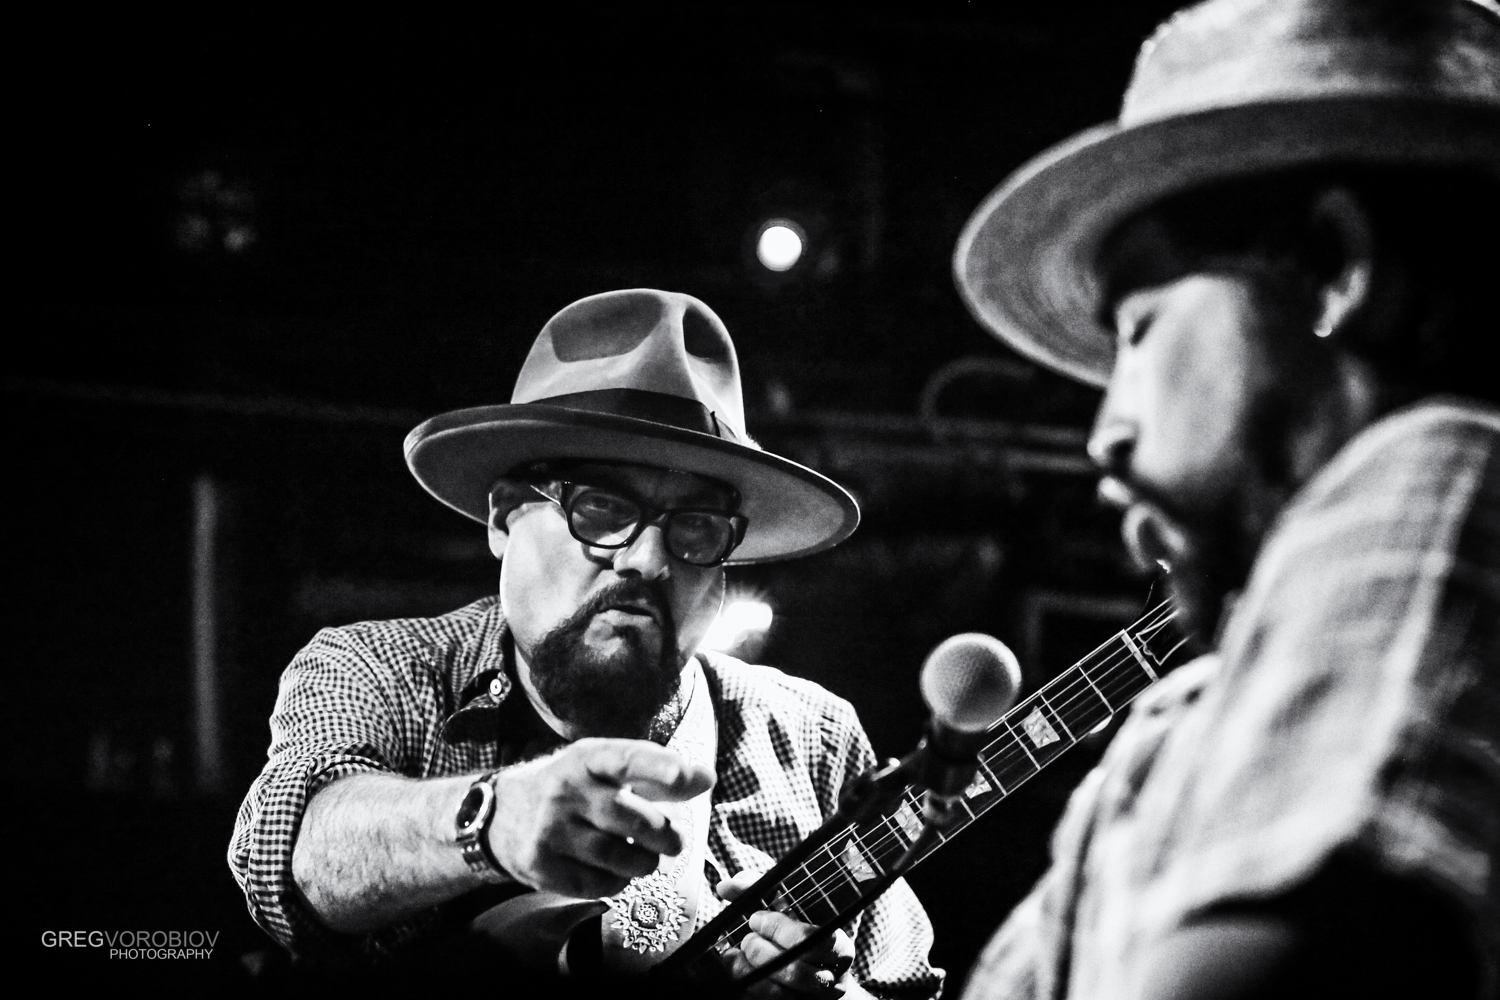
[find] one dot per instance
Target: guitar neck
(1026, 739)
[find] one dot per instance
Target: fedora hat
(638, 376)
(1226, 89)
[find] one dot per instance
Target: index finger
(652, 772)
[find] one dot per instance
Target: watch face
(468, 810)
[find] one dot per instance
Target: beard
(615, 694)
(1209, 543)
(1196, 555)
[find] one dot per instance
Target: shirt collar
(485, 672)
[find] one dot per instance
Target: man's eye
(698, 524)
(604, 506)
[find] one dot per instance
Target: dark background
(259, 251)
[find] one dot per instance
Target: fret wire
(1085, 707)
(990, 775)
(864, 851)
(1035, 763)
(817, 886)
(890, 821)
(1133, 683)
(897, 835)
(1122, 687)
(1130, 643)
(1056, 715)
(800, 892)
(1104, 651)
(838, 863)
(1085, 674)
(1073, 697)
(1119, 677)
(841, 882)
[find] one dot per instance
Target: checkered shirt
(1353, 706)
(421, 697)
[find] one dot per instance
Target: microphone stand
(868, 793)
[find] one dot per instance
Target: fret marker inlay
(835, 878)
(1039, 729)
(858, 866)
(908, 820)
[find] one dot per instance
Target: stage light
(740, 620)
(780, 244)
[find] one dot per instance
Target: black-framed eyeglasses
(609, 519)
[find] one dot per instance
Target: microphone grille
(970, 680)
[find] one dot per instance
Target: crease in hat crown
(637, 341)
(1222, 89)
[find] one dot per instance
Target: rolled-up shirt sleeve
(335, 716)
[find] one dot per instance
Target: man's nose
(1111, 441)
(646, 556)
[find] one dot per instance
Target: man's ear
(498, 527)
(1347, 292)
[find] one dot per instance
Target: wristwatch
(471, 825)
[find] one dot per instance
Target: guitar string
(1012, 751)
(1145, 629)
(811, 880)
(1062, 703)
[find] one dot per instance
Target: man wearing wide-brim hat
(1279, 264)
(567, 735)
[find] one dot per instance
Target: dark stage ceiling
(384, 211)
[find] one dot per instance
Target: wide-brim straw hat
(1226, 89)
(643, 377)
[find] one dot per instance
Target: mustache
(1126, 490)
(634, 591)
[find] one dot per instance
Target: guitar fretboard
(1026, 739)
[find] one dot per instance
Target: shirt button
(496, 689)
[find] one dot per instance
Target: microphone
(968, 683)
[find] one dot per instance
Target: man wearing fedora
(567, 736)
(1279, 265)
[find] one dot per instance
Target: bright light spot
(780, 244)
(737, 621)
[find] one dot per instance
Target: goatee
(617, 694)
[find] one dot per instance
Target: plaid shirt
(1354, 706)
(426, 697)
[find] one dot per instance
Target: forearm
(376, 848)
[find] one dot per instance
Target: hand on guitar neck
(823, 972)
(581, 822)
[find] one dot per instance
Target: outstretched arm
(375, 848)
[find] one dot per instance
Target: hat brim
(792, 510)
(1025, 262)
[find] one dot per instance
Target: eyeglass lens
(605, 518)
